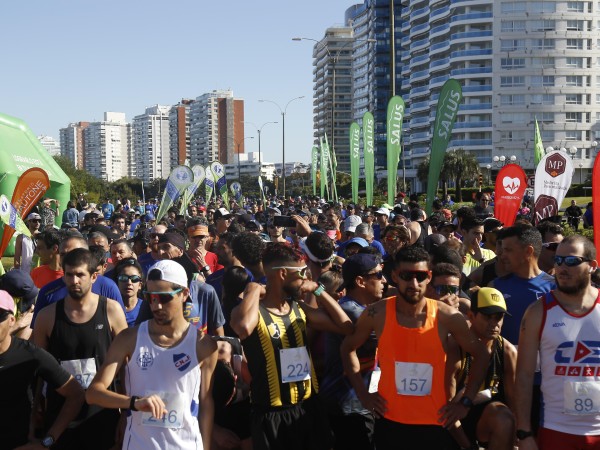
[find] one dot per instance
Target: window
(545, 80)
(542, 25)
(574, 81)
(512, 81)
(575, 25)
(512, 99)
(575, 99)
(573, 117)
(542, 7)
(515, 118)
(547, 135)
(511, 45)
(575, 44)
(545, 117)
(546, 62)
(513, 63)
(542, 44)
(597, 80)
(542, 99)
(575, 62)
(573, 135)
(598, 117)
(575, 7)
(513, 7)
(509, 26)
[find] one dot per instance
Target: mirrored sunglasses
(569, 261)
(301, 271)
(125, 278)
(161, 297)
(552, 246)
(445, 289)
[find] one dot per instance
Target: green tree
(458, 165)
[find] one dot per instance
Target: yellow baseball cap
(489, 301)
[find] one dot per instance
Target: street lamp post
(259, 130)
(283, 112)
(238, 144)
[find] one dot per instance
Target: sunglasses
(301, 271)
(409, 275)
(378, 275)
(35, 220)
(392, 237)
(570, 261)
(552, 246)
(445, 289)
(125, 278)
(161, 297)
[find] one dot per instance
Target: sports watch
(48, 441)
(522, 434)
(466, 402)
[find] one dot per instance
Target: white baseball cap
(171, 271)
(383, 211)
(351, 222)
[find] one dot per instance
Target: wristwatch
(466, 402)
(522, 434)
(48, 441)
(206, 268)
(318, 291)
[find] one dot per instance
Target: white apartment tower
(50, 144)
(151, 144)
(107, 147)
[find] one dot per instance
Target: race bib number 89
(413, 378)
(294, 364)
(582, 397)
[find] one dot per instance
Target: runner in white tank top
(168, 396)
(564, 326)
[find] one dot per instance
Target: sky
(69, 61)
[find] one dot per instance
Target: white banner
(553, 177)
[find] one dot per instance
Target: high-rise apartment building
(179, 132)
(150, 146)
(332, 75)
(107, 147)
(50, 144)
(72, 143)
(516, 61)
(216, 128)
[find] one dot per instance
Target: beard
(411, 296)
(77, 293)
(292, 292)
(578, 287)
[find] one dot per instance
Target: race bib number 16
(413, 378)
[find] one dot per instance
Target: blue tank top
(519, 293)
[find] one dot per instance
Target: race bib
(294, 364)
(581, 397)
(413, 378)
(83, 370)
(175, 406)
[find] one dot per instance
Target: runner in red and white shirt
(564, 325)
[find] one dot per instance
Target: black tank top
(72, 341)
(489, 274)
(424, 233)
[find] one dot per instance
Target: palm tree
(458, 165)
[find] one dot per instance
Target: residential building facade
(151, 152)
(72, 143)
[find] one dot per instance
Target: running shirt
(494, 377)
(570, 363)
(174, 375)
(412, 374)
(279, 360)
(471, 263)
(519, 293)
(27, 249)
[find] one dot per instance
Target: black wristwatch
(522, 434)
(206, 268)
(466, 402)
(132, 401)
(48, 441)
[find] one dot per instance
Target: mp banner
(220, 181)
(511, 183)
(395, 115)
(552, 181)
(369, 152)
(445, 116)
(354, 159)
(179, 180)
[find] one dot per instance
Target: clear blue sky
(71, 60)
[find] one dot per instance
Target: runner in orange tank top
(411, 401)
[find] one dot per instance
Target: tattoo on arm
(372, 311)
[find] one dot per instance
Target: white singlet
(26, 254)
(570, 363)
(173, 374)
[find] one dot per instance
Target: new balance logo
(99, 326)
(558, 324)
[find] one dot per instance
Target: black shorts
(299, 427)
(235, 417)
(390, 435)
(469, 423)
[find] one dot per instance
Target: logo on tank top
(145, 360)
(583, 353)
(182, 361)
(274, 330)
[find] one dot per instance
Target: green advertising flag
(179, 180)
(324, 168)
(354, 159)
(199, 176)
(395, 115)
(447, 109)
(220, 181)
(332, 169)
(313, 167)
(369, 152)
(539, 146)
(209, 183)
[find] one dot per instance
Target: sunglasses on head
(552, 246)
(125, 278)
(445, 289)
(301, 271)
(570, 261)
(161, 297)
(409, 275)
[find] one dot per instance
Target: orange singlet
(412, 362)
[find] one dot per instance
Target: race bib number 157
(413, 378)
